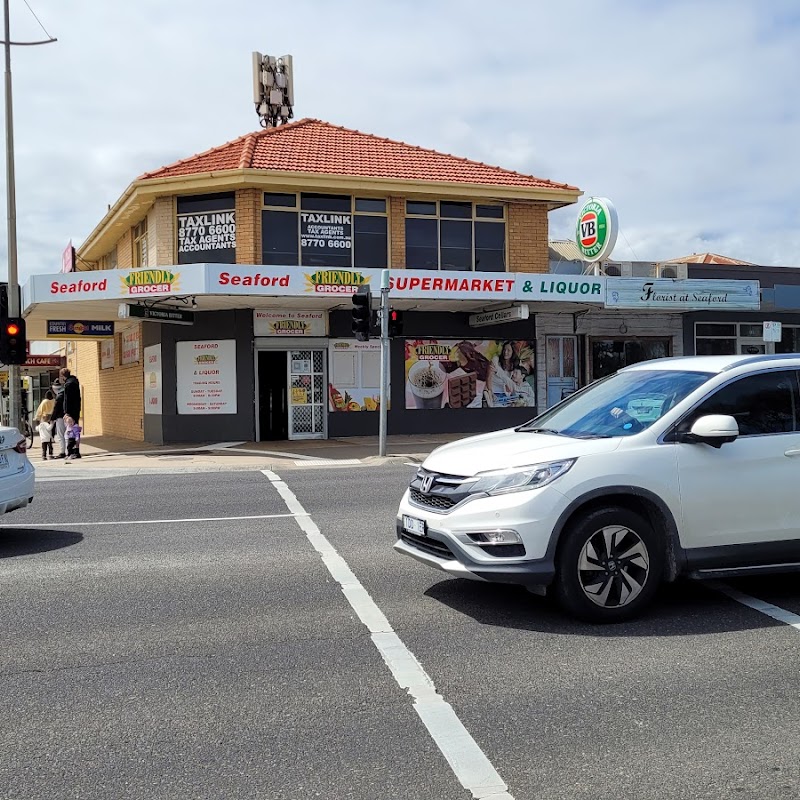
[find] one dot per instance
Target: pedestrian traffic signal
(13, 341)
(395, 323)
(362, 313)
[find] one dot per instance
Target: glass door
(307, 398)
(562, 368)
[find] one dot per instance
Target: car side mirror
(713, 429)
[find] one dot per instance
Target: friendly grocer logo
(596, 231)
(150, 281)
(334, 281)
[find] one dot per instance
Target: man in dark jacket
(72, 395)
(57, 417)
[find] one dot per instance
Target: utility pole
(14, 393)
(384, 407)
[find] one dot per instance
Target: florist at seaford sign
(596, 232)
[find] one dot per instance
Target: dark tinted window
(489, 212)
(280, 199)
(456, 244)
(490, 246)
(325, 202)
(764, 403)
(715, 347)
(370, 242)
(416, 207)
(457, 210)
(279, 236)
(422, 244)
(368, 204)
(712, 329)
(202, 203)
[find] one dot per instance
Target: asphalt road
(186, 636)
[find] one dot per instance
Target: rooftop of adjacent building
(567, 250)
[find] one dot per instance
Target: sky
(684, 114)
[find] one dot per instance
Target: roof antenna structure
(273, 90)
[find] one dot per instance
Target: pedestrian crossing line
(777, 613)
(469, 763)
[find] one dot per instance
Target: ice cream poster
(469, 373)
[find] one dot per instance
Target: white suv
(680, 466)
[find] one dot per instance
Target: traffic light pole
(14, 393)
(384, 405)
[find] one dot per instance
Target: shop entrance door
(307, 396)
(273, 404)
(562, 367)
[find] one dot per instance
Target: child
(46, 435)
(523, 389)
(73, 431)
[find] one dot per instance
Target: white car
(17, 475)
(680, 466)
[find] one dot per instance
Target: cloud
(682, 112)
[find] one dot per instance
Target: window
(790, 340)
(760, 404)
(730, 338)
(206, 228)
(324, 230)
(140, 244)
(454, 235)
(610, 355)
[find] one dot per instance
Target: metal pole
(14, 393)
(384, 407)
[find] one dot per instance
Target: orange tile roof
(310, 145)
(706, 258)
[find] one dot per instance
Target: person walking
(44, 412)
(72, 394)
(57, 417)
(73, 438)
(46, 438)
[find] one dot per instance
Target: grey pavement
(104, 456)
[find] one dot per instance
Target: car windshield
(621, 405)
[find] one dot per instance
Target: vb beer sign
(596, 233)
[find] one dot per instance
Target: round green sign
(596, 231)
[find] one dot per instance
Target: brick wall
(248, 226)
(397, 232)
(112, 398)
(161, 232)
(527, 238)
(125, 251)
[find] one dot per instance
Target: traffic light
(395, 323)
(13, 341)
(362, 313)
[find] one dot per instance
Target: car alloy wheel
(613, 566)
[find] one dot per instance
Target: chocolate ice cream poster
(469, 373)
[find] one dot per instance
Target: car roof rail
(760, 358)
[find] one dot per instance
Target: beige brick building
(308, 195)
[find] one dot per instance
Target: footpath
(104, 456)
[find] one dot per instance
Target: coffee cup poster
(468, 373)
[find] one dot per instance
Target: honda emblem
(425, 484)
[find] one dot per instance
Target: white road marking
(468, 762)
(779, 614)
(144, 521)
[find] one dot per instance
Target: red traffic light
(12, 329)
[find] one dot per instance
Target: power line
(37, 19)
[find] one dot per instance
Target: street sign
(176, 316)
(500, 315)
(772, 332)
(82, 329)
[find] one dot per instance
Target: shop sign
(152, 380)
(206, 376)
(500, 315)
(567, 289)
(45, 361)
(206, 237)
(597, 228)
(67, 329)
(772, 332)
(130, 347)
(451, 285)
(325, 234)
(107, 352)
(175, 316)
(290, 323)
(452, 373)
(354, 372)
(150, 281)
(335, 281)
(68, 258)
(682, 295)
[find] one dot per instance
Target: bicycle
(27, 428)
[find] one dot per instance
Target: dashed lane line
(465, 757)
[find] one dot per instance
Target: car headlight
(517, 479)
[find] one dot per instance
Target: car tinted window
(760, 404)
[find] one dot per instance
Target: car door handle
(792, 453)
